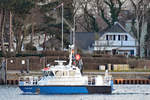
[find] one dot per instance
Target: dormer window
(122, 37)
(126, 37)
(106, 37)
(114, 37)
(110, 37)
(119, 37)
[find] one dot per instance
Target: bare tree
(10, 32)
(87, 16)
(107, 10)
(147, 37)
(2, 26)
(140, 9)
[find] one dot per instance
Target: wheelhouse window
(48, 73)
(58, 73)
(71, 73)
(61, 73)
(51, 73)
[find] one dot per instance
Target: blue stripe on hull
(55, 89)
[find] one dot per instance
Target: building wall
(118, 41)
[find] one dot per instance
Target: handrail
(91, 80)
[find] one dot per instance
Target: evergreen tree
(114, 11)
(52, 19)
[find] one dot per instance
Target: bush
(30, 46)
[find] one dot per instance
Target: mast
(70, 55)
(62, 42)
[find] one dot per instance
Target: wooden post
(27, 65)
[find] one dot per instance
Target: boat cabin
(61, 70)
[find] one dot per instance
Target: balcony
(112, 43)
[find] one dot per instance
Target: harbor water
(121, 92)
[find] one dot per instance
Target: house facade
(116, 40)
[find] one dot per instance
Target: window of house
(122, 37)
(106, 37)
(114, 37)
(126, 37)
(119, 37)
(96, 42)
(110, 37)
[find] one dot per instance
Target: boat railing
(107, 80)
(91, 80)
(29, 80)
(33, 80)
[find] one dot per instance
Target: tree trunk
(22, 39)
(31, 38)
(44, 47)
(10, 33)
(19, 40)
(138, 35)
(2, 31)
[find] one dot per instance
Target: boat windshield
(48, 73)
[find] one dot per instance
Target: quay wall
(141, 79)
(116, 81)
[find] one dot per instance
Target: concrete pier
(118, 77)
(131, 81)
(13, 77)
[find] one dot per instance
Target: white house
(116, 40)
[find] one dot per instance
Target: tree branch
(104, 18)
(133, 4)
